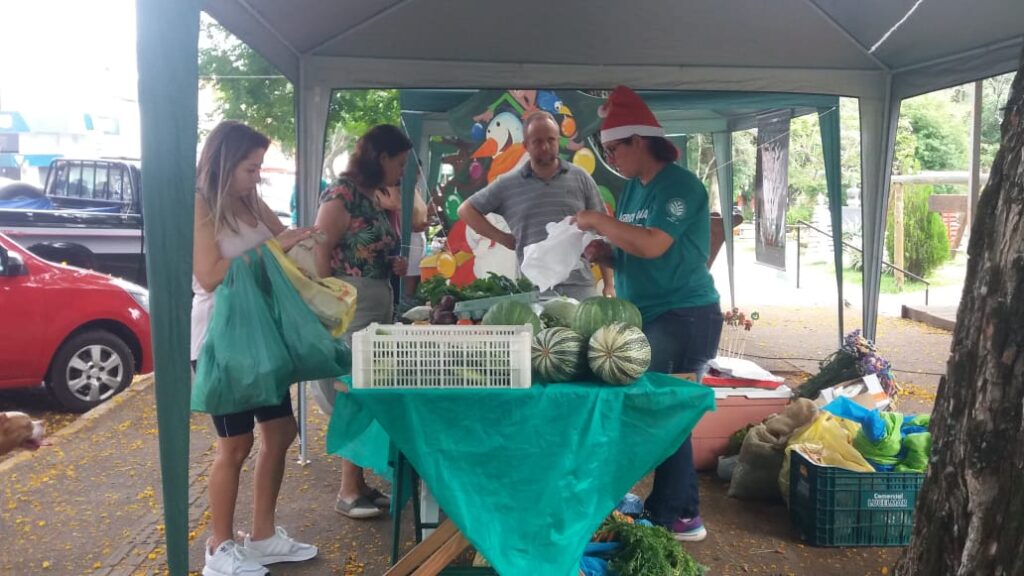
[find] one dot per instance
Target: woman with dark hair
(358, 248)
(230, 220)
(658, 243)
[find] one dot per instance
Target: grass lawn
(856, 278)
(948, 274)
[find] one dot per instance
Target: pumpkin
(559, 312)
(558, 354)
(599, 311)
(618, 353)
(511, 313)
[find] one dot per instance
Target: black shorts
(240, 423)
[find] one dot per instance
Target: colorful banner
(489, 139)
(771, 187)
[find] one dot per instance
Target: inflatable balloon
(446, 265)
(585, 159)
(477, 132)
(569, 126)
(476, 170)
(451, 207)
(606, 195)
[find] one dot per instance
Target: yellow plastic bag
(831, 438)
(331, 299)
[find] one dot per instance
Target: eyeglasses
(611, 148)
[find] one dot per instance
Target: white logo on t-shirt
(675, 209)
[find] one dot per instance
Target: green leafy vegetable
(437, 287)
(649, 551)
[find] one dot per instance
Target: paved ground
(91, 504)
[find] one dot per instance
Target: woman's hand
(292, 236)
(589, 220)
(399, 265)
(390, 198)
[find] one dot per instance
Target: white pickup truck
(89, 214)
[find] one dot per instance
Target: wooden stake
(424, 550)
(439, 560)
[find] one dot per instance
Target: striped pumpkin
(558, 354)
(619, 354)
(599, 311)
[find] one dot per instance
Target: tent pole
(878, 120)
(828, 124)
(723, 164)
(167, 47)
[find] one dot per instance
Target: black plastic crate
(835, 507)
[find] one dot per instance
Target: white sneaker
(231, 560)
(278, 548)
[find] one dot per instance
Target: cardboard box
(866, 391)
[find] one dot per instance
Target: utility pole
(974, 177)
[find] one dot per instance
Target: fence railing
(802, 224)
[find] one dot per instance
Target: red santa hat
(625, 115)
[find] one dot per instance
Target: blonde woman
(231, 219)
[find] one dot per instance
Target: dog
(19, 431)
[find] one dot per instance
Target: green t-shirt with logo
(675, 202)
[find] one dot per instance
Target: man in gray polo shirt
(546, 189)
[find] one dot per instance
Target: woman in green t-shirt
(658, 243)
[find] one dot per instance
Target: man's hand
(507, 240)
(599, 252)
(608, 291)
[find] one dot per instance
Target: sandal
(359, 509)
(379, 499)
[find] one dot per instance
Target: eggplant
(443, 317)
(447, 303)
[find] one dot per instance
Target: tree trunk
(970, 512)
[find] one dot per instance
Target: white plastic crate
(402, 356)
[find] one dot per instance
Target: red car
(84, 334)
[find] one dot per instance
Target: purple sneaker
(688, 529)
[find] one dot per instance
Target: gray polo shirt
(529, 203)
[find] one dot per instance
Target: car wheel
(89, 369)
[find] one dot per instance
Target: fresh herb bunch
(649, 551)
(856, 358)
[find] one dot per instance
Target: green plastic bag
(885, 451)
(918, 447)
(314, 350)
(243, 363)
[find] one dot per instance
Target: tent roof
(784, 45)
(679, 112)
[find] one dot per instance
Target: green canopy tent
(430, 113)
(879, 51)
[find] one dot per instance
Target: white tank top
(232, 245)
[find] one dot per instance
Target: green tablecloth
(528, 475)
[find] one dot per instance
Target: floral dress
(366, 247)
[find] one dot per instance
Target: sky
(66, 53)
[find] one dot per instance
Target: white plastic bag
(550, 262)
